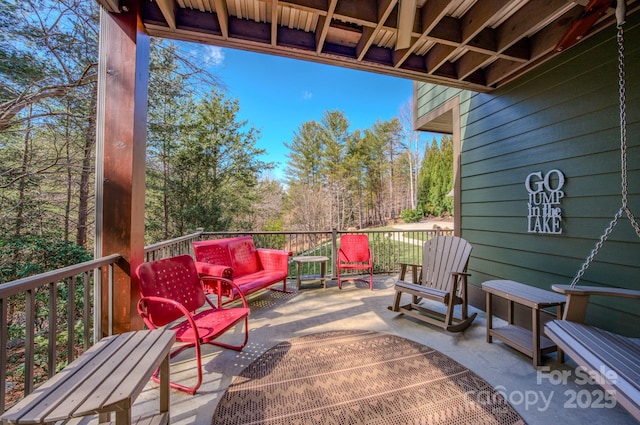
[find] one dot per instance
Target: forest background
(203, 167)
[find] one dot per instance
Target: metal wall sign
(545, 194)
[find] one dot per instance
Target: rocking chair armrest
(465, 274)
(220, 281)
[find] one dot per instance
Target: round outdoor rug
(359, 377)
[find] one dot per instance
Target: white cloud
(213, 55)
(307, 95)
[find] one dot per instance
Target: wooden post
(120, 156)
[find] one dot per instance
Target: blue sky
(277, 95)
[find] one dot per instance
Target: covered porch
(479, 54)
(538, 396)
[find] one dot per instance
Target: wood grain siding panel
(564, 115)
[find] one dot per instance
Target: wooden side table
(106, 378)
(531, 343)
(312, 259)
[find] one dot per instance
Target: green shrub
(412, 216)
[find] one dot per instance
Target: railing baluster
(53, 328)
(29, 340)
(71, 318)
(110, 312)
(3, 352)
(97, 305)
(86, 277)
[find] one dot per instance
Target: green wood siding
(563, 115)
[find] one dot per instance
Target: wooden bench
(615, 359)
(106, 378)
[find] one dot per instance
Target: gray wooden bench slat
(421, 291)
(126, 377)
(58, 389)
(86, 389)
(106, 378)
(596, 349)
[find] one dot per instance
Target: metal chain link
(623, 163)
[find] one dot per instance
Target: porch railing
(47, 320)
(39, 314)
(389, 247)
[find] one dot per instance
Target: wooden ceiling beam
(480, 14)
(167, 7)
(368, 34)
(430, 14)
(543, 44)
(531, 18)
(470, 62)
(501, 39)
(437, 56)
(407, 11)
(222, 13)
(274, 22)
(324, 22)
(362, 12)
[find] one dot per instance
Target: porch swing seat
(613, 358)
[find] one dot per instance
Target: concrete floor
(539, 396)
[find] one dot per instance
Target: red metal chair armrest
(152, 299)
(214, 270)
(219, 282)
(274, 259)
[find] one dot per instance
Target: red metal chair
(354, 254)
(171, 290)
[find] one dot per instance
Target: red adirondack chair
(171, 290)
(354, 254)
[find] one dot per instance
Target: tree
(47, 123)
(436, 177)
(216, 170)
(411, 142)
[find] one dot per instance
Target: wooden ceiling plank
(362, 12)
(531, 18)
(432, 12)
(343, 34)
(430, 15)
(112, 6)
(365, 42)
(546, 40)
(481, 13)
(223, 16)
(437, 56)
(470, 62)
(162, 31)
(274, 22)
(167, 7)
(368, 34)
(500, 70)
(407, 11)
(324, 22)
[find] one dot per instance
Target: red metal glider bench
(250, 268)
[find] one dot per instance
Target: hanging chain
(624, 209)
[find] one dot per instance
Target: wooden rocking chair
(443, 279)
